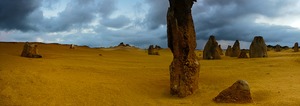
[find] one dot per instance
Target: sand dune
(126, 76)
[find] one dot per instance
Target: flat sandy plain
(128, 76)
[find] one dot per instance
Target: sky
(105, 23)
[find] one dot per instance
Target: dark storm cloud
(156, 15)
(13, 14)
(27, 15)
(80, 13)
(235, 19)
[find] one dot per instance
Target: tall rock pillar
(296, 47)
(184, 69)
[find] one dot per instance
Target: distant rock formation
(157, 47)
(277, 48)
(72, 46)
(243, 54)
(258, 48)
(270, 47)
(184, 69)
(220, 51)
(121, 44)
(228, 51)
(30, 50)
(152, 50)
(210, 51)
(235, 49)
(239, 92)
(296, 47)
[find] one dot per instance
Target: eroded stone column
(258, 48)
(184, 69)
(296, 47)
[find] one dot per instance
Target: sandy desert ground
(131, 77)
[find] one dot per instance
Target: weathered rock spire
(184, 69)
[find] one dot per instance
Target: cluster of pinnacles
(212, 50)
(153, 50)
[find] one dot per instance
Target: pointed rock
(228, 51)
(236, 49)
(258, 48)
(121, 44)
(210, 51)
(239, 92)
(220, 51)
(296, 47)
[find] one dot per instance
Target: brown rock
(152, 50)
(277, 48)
(220, 51)
(210, 51)
(228, 51)
(239, 92)
(72, 46)
(243, 54)
(121, 44)
(235, 49)
(184, 69)
(30, 50)
(296, 47)
(258, 48)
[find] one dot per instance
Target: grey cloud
(77, 14)
(156, 15)
(13, 14)
(26, 15)
(80, 13)
(106, 7)
(117, 22)
(235, 19)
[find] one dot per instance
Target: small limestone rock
(228, 51)
(210, 51)
(220, 51)
(243, 54)
(121, 44)
(157, 47)
(72, 46)
(152, 50)
(277, 48)
(239, 92)
(30, 50)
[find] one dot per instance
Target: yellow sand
(127, 76)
